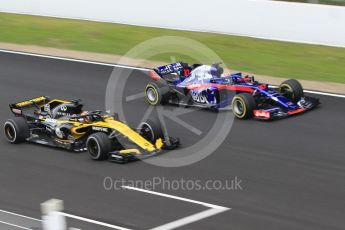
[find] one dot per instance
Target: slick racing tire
(16, 130)
(292, 89)
(154, 94)
(243, 105)
(151, 130)
(98, 145)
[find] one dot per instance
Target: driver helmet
(85, 119)
(216, 70)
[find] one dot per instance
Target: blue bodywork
(217, 92)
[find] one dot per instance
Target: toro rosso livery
(207, 86)
(64, 124)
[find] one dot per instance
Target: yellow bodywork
(110, 123)
(159, 143)
(58, 100)
(127, 151)
(31, 101)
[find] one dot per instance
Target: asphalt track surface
(292, 170)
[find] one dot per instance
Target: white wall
(307, 23)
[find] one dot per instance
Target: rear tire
(98, 145)
(154, 94)
(16, 130)
(151, 130)
(292, 89)
(243, 105)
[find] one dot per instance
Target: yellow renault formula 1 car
(64, 124)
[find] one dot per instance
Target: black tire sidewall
(248, 104)
(103, 144)
(20, 128)
(296, 88)
(155, 127)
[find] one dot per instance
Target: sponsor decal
(26, 103)
(49, 120)
(301, 103)
(262, 114)
(186, 72)
(63, 108)
(199, 97)
(64, 114)
(167, 69)
(100, 129)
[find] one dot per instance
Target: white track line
(189, 219)
(18, 215)
(64, 214)
(213, 210)
(129, 67)
(15, 214)
(93, 221)
(324, 93)
(13, 225)
(172, 197)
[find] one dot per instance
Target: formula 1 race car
(64, 124)
(206, 86)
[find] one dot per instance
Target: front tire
(154, 94)
(98, 145)
(243, 105)
(16, 130)
(151, 130)
(292, 89)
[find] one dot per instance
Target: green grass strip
(264, 57)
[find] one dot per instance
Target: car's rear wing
(164, 70)
(171, 68)
(17, 108)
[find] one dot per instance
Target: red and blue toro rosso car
(206, 86)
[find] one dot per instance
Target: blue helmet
(216, 70)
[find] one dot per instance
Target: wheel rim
(146, 132)
(238, 107)
(93, 148)
(151, 94)
(10, 133)
(287, 91)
